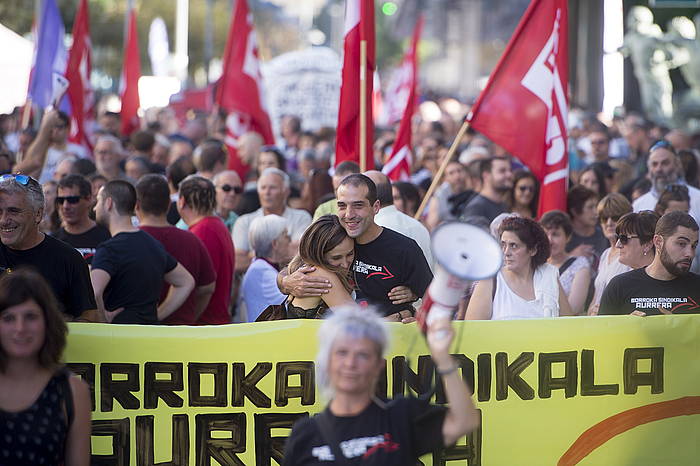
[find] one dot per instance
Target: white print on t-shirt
(654, 303)
(354, 447)
(373, 270)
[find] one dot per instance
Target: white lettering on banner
(543, 80)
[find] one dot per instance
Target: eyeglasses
(71, 199)
(598, 142)
(523, 189)
(228, 188)
(624, 239)
(21, 179)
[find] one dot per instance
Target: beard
(675, 268)
(661, 182)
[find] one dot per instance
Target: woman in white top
(526, 286)
(610, 209)
(574, 272)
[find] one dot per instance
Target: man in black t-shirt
(74, 202)
(23, 244)
(128, 270)
(665, 286)
(390, 269)
(384, 259)
(497, 181)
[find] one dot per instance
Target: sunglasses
(614, 218)
(523, 189)
(228, 188)
(21, 179)
(624, 239)
(71, 199)
(662, 145)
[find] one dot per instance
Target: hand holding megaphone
(464, 253)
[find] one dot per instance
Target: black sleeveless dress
(37, 435)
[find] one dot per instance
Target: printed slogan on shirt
(605, 390)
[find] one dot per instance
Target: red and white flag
(359, 27)
(524, 105)
(78, 70)
(240, 89)
(398, 167)
(129, 83)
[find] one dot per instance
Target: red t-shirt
(188, 250)
(217, 239)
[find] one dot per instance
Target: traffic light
(389, 8)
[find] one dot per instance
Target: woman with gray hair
(352, 346)
(269, 239)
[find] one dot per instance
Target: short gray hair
(347, 321)
(116, 143)
(263, 231)
(278, 172)
(33, 190)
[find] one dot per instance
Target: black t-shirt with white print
(637, 291)
(395, 434)
(390, 260)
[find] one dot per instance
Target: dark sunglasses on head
(624, 238)
(21, 179)
(228, 188)
(662, 144)
(71, 199)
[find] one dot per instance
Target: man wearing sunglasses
(228, 190)
(23, 244)
(665, 169)
(74, 202)
(666, 286)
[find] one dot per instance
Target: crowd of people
(155, 228)
(169, 226)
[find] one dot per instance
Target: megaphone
(464, 253)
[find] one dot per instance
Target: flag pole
(363, 106)
(438, 176)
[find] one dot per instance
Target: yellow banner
(590, 391)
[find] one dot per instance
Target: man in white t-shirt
(50, 147)
(664, 170)
(273, 190)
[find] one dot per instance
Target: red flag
(524, 105)
(78, 71)
(240, 89)
(359, 26)
(398, 167)
(129, 85)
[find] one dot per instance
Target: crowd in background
(234, 245)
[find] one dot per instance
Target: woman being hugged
(327, 247)
(350, 360)
(44, 409)
(527, 286)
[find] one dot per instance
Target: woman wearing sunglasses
(525, 194)
(634, 234)
(610, 209)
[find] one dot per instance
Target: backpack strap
(325, 428)
(64, 385)
(566, 264)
